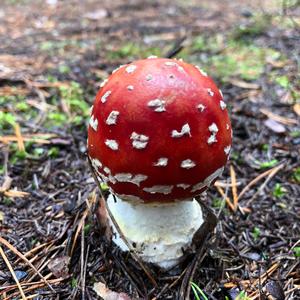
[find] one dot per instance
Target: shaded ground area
(53, 57)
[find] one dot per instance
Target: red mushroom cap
(159, 131)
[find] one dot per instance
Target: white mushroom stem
(159, 233)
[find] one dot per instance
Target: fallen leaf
(107, 294)
(274, 126)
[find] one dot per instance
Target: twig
(229, 203)
(19, 137)
(234, 188)
(12, 273)
(271, 174)
(255, 180)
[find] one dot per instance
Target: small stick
(233, 187)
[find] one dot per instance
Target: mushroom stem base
(158, 233)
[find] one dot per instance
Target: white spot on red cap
(227, 126)
(222, 105)
(170, 63)
(180, 69)
(131, 68)
(94, 123)
(105, 96)
(183, 185)
(227, 149)
(157, 104)
(213, 128)
(159, 189)
(185, 130)
(210, 92)
(130, 87)
(106, 170)
(128, 177)
(161, 162)
(112, 144)
(149, 77)
(103, 83)
(201, 71)
(152, 56)
(118, 68)
(139, 141)
(91, 110)
(112, 118)
(96, 163)
(201, 107)
(187, 164)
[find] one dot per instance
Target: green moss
(132, 51)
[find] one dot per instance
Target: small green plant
(104, 187)
(198, 293)
(74, 282)
(268, 164)
(296, 251)
(256, 233)
(242, 296)
(278, 190)
(296, 174)
(53, 152)
(6, 120)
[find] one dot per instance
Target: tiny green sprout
(64, 69)
(53, 152)
(7, 201)
(217, 203)
(22, 106)
(104, 187)
(283, 81)
(256, 233)
(73, 282)
(265, 147)
(38, 152)
(87, 228)
(278, 190)
(296, 251)
(295, 133)
(296, 174)
(196, 290)
(268, 164)
(242, 296)
(6, 119)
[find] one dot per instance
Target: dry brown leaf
(107, 294)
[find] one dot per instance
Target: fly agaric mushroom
(159, 135)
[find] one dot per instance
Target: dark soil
(255, 250)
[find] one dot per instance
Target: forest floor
(53, 57)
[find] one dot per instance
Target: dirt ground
(53, 57)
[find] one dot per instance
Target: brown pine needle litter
(14, 250)
(12, 273)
